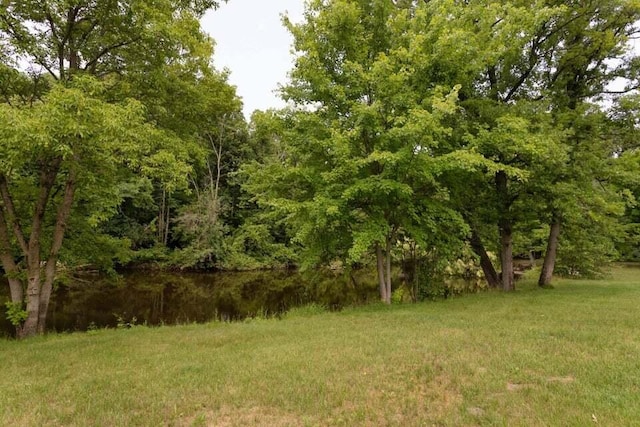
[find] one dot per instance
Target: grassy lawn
(566, 356)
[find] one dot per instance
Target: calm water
(155, 298)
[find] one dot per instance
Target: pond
(156, 298)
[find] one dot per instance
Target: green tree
(585, 50)
(529, 73)
(102, 38)
(358, 169)
(66, 148)
(58, 145)
(484, 47)
(625, 118)
(194, 101)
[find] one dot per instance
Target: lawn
(564, 356)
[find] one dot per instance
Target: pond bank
(148, 297)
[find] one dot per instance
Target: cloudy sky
(252, 43)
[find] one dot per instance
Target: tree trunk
(164, 218)
(506, 256)
(15, 287)
(8, 263)
(49, 169)
(550, 256)
(167, 219)
(490, 273)
(34, 285)
(45, 294)
(505, 228)
(10, 268)
(64, 210)
(30, 326)
(11, 216)
(160, 231)
(410, 271)
(6, 257)
(388, 266)
(381, 281)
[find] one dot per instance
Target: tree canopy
(75, 129)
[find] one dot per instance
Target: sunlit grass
(566, 356)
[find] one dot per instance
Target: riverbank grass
(565, 356)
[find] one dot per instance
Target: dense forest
(419, 135)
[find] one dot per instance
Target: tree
(625, 120)
(76, 135)
(485, 48)
(103, 38)
(65, 148)
(194, 101)
(359, 169)
(586, 48)
(535, 66)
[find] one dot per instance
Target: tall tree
(585, 50)
(535, 65)
(196, 102)
(74, 136)
(485, 48)
(625, 118)
(66, 147)
(360, 167)
(103, 38)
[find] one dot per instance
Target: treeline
(418, 133)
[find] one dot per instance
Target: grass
(566, 356)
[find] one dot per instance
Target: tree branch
(622, 91)
(15, 34)
(8, 263)
(47, 179)
(11, 211)
(64, 211)
(52, 24)
(93, 63)
(533, 61)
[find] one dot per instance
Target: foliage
(398, 132)
(15, 313)
(436, 126)
(358, 168)
(252, 246)
(102, 38)
(305, 311)
(587, 246)
(69, 146)
(94, 138)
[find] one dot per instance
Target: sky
(253, 44)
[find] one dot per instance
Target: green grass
(566, 356)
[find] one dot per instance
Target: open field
(566, 356)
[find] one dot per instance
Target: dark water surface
(155, 298)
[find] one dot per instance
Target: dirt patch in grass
(438, 398)
(562, 380)
(518, 386)
(237, 417)
(418, 402)
(475, 411)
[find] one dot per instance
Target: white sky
(253, 44)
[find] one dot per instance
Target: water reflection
(155, 298)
